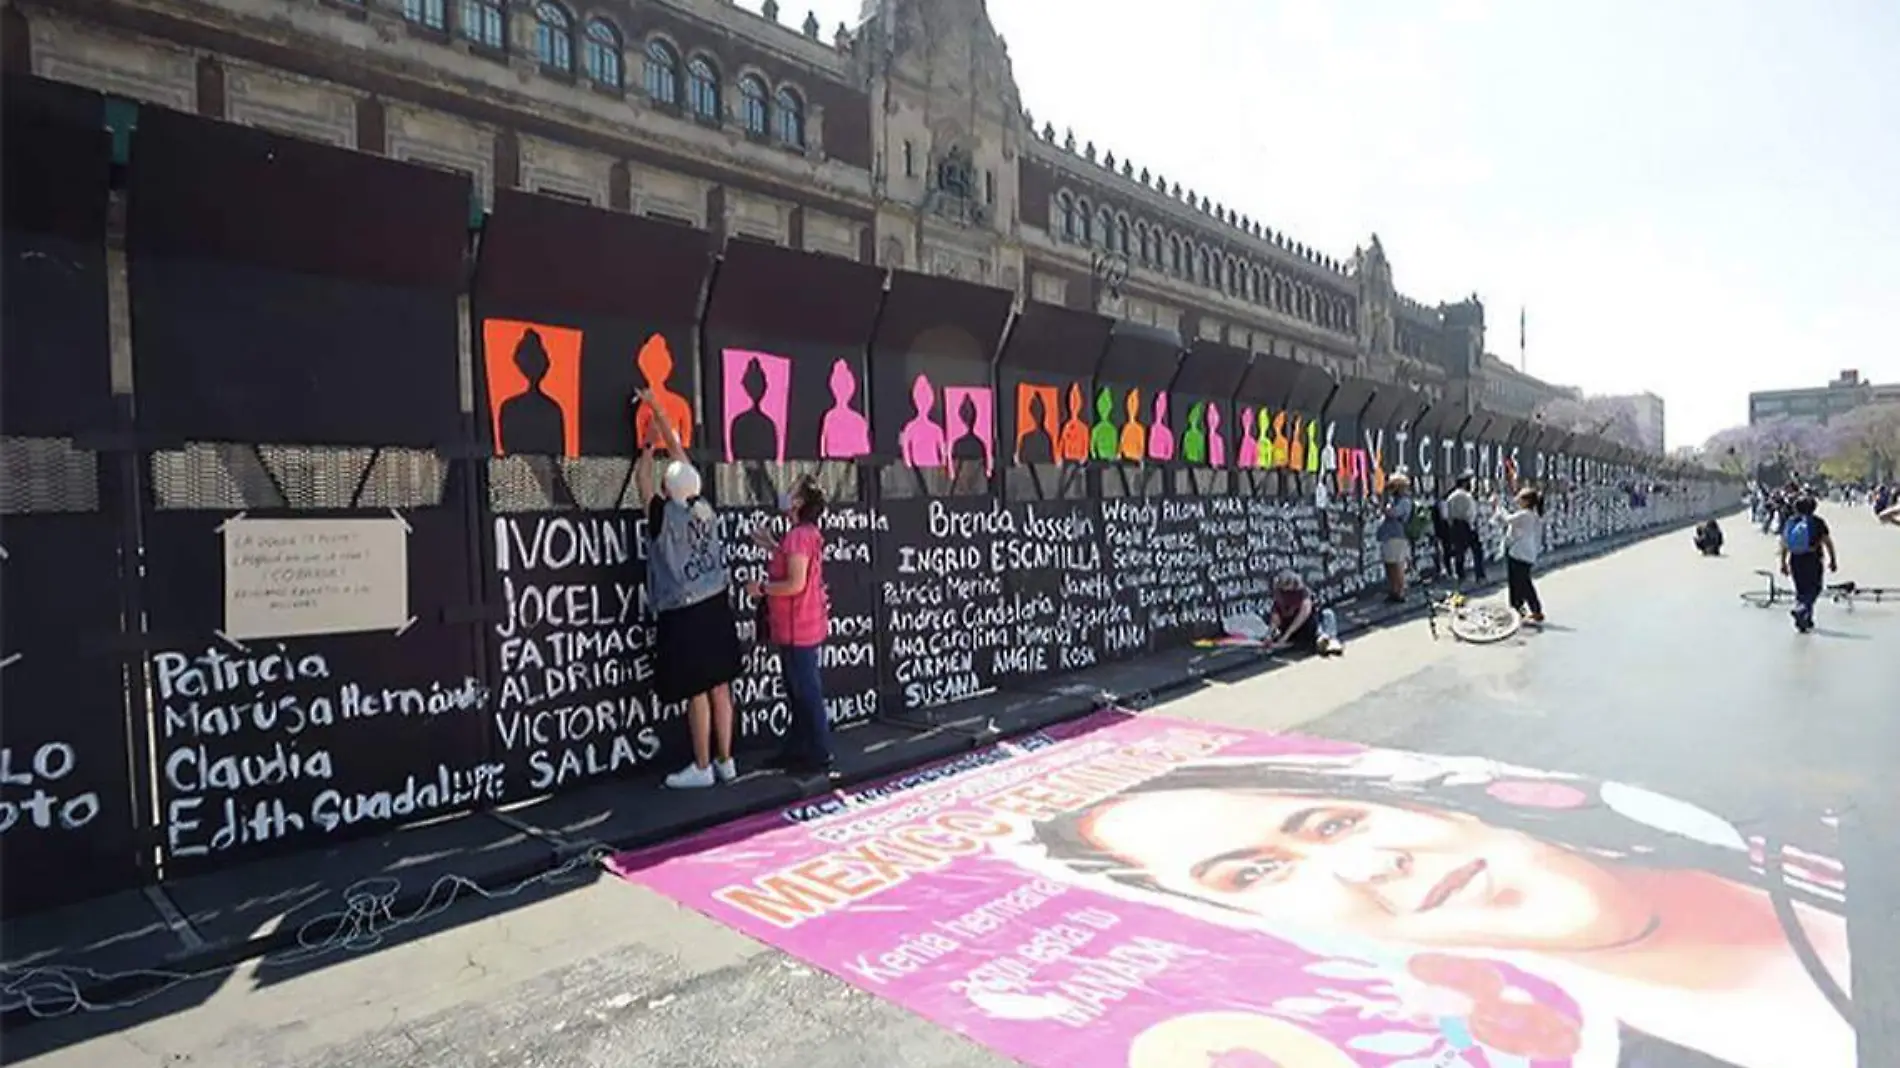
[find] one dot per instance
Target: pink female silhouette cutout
(1249, 448)
(844, 433)
(1216, 448)
(921, 442)
(969, 412)
(1160, 434)
(755, 387)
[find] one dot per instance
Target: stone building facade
(901, 141)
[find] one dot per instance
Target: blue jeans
(810, 737)
(1806, 570)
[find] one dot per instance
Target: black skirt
(697, 649)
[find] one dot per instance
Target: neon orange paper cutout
(1296, 444)
(656, 363)
(534, 387)
(1074, 444)
(1036, 413)
(1280, 449)
(1134, 438)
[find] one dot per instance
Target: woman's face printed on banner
(1407, 874)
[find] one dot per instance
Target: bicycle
(1774, 593)
(1478, 622)
(1851, 593)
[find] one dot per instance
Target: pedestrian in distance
(1803, 541)
(1461, 512)
(1395, 536)
(696, 651)
(798, 616)
(1523, 544)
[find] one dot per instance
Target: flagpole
(1522, 363)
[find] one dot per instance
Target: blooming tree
(1865, 443)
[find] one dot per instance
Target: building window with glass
(752, 105)
(602, 53)
(662, 73)
(554, 37)
(789, 111)
(484, 23)
(430, 14)
(702, 89)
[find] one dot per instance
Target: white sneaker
(725, 770)
(691, 777)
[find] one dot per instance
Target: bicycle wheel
(1759, 598)
(1483, 624)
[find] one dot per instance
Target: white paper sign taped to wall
(289, 577)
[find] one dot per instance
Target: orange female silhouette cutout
(1281, 448)
(1074, 444)
(656, 364)
(1296, 443)
(1036, 432)
(1134, 438)
(534, 387)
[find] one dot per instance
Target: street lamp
(1108, 269)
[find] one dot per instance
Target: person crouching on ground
(1708, 538)
(798, 614)
(1296, 620)
(1802, 541)
(1395, 544)
(1523, 544)
(696, 652)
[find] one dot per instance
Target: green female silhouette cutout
(1105, 441)
(1266, 439)
(1312, 445)
(1194, 441)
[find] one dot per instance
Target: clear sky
(1692, 197)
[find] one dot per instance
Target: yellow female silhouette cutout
(1313, 454)
(1266, 438)
(1134, 438)
(1280, 449)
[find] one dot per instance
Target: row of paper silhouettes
(534, 386)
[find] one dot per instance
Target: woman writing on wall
(1645, 907)
(696, 652)
(798, 615)
(1523, 544)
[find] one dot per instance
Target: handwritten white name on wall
(292, 577)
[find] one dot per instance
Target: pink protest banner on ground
(1156, 893)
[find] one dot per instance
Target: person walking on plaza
(1803, 540)
(1461, 512)
(798, 615)
(1395, 540)
(696, 651)
(1523, 544)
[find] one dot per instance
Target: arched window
(1201, 268)
(484, 22)
(1121, 235)
(663, 72)
(1105, 228)
(1174, 254)
(430, 14)
(1146, 248)
(1087, 222)
(752, 105)
(554, 37)
(1066, 205)
(789, 111)
(1253, 284)
(702, 88)
(1227, 275)
(601, 53)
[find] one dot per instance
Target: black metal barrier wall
(352, 539)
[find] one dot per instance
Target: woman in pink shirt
(798, 614)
